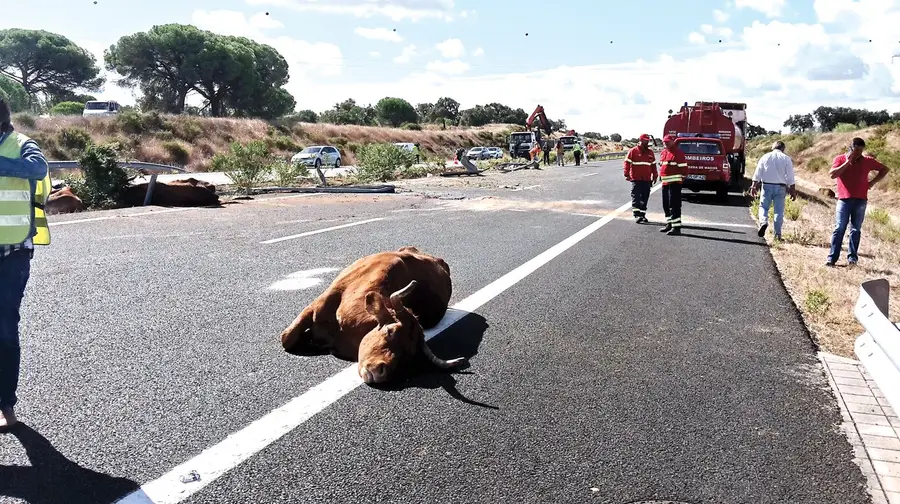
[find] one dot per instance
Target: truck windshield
(568, 140)
(521, 138)
(97, 105)
(700, 147)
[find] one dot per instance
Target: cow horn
(397, 297)
(437, 361)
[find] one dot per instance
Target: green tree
(46, 63)
(14, 94)
(163, 61)
(615, 137)
(67, 108)
(445, 109)
(306, 116)
(395, 111)
(265, 97)
(348, 112)
(225, 66)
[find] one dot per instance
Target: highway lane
(131, 389)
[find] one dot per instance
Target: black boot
(674, 231)
(666, 229)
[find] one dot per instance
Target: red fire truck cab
(708, 167)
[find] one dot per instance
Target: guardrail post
(149, 196)
(879, 347)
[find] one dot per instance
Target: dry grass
(826, 296)
(193, 141)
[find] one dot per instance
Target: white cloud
(696, 38)
(478, 52)
(771, 8)
(406, 54)
(378, 34)
(453, 67)
(397, 10)
(451, 48)
(375, 54)
(720, 16)
(706, 28)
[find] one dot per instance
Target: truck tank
(705, 120)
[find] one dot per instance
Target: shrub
(179, 152)
(67, 108)
(816, 301)
(379, 162)
(793, 209)
(816, 164)
(26, 120)
(799, 143)
(188, 129)
(74, 138)
(287, 173)
(104, 182)
(411, 126)
(845, 128)
(245, 164)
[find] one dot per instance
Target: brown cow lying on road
(376, 311)
(188, 192)
(63, 201)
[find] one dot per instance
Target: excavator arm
(539, 113)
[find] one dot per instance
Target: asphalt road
(627, 366)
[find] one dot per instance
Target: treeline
(826, 119)
(235, 76)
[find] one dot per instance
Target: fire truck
(711, 135)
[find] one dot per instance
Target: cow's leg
(297, 338)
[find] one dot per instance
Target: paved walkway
(871, 426)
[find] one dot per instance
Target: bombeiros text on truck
(711, 135)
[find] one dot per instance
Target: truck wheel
(722, 192)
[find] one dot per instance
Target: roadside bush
(26, 120)
(104, 182)
(245, 164)
(816, 164)
(798, 143)
(411, 126)
(845, 128)
(793, 209)
(287, 173)
(74, 138)
(380, 162)
(817, 301)
(67, 108)
(180, 153)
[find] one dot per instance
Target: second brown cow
(376, 311)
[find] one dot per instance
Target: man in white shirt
(775, 174)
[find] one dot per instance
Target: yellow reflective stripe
(671, 178)
(628, 160)
(14, 220)
(15, 195)
(643, 163)
(681, 164)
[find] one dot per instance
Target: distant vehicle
(569, 142)
(98, 108)
(477, 153)
(406, 146)
(494, 153)
(318, 156)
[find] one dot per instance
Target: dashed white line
(324, 230)
(240, 446)
(588, 174)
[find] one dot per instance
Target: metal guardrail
(153, 168)
(879, 347)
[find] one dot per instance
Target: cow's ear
(377, 308)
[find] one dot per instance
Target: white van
(97, 108)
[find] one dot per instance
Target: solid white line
(325, 230)
(243, 444)
(119, 216)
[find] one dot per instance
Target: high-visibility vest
(20, 204)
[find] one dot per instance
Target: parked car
(318, 156)
(97, 108)
(494, 153)
(477, 153)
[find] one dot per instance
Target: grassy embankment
(826, 296)
(192, 142)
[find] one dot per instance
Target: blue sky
(662, 53)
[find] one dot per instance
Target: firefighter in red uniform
(672, 167)
(640, 170)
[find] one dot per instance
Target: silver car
(318, 156)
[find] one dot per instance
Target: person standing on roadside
(546, 151)
(672, 166)
(775, 176)
(640, 170)
(24, 188)
(851, 172)
(560, 153)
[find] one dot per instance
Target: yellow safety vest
(20, 203)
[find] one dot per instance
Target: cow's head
(398, 337)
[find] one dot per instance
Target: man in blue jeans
(775, 176)
(24, 186)
(851, 172)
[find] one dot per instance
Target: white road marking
(325, 230)
(589, 174)
(418, 210)
(120, 216)
(531, 187)
(218, 459)
(301, 280)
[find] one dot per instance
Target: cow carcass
(188, 192)
(63, 201)
(375, 312)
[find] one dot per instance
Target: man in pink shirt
(851, 171)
